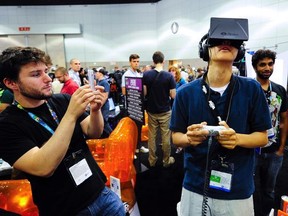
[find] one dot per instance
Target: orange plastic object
(281, 213)
(144, 132)
(115, 156)
(97, 148)
(16, 196)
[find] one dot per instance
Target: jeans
(106, 204)
(266, 171)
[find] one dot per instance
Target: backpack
(118, 78)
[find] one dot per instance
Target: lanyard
(206, 90)
(268, 94)
(222, 152)
(38, 119)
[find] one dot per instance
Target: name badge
(270, 133)
(77, 167)
(80, 171)
(221, 175)
(220, 180)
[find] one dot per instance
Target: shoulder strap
(148, 92)
(156, 78)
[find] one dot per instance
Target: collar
(159, 69)
(132, 70)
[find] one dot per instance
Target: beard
(264, 76)
(32, 93)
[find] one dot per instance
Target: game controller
(213, 130)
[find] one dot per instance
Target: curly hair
(13, 58)
(261, 54)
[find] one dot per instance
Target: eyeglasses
(57, 77)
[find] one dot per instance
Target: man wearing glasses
(69, 86)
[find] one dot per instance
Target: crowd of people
(248, 118)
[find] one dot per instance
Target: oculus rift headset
(232, 29)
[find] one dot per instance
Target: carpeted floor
(158, 190)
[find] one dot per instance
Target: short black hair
(261, 54)
(158, 57)
(13, 58)
(102, 71)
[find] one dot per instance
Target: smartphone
(91, 79)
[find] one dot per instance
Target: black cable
(205, 205)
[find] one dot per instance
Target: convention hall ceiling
(70, 2)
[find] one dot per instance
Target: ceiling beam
(70, 2)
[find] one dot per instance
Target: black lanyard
(207, 91)
(268, 94)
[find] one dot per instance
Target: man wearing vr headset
(219, 161)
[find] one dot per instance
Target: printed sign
(135, 98)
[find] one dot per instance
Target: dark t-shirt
(7, 97)
(248, 112)
(58, 194)
(106, 86)
(158, 90)
(277, 101)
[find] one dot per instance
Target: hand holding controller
(213, 130)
